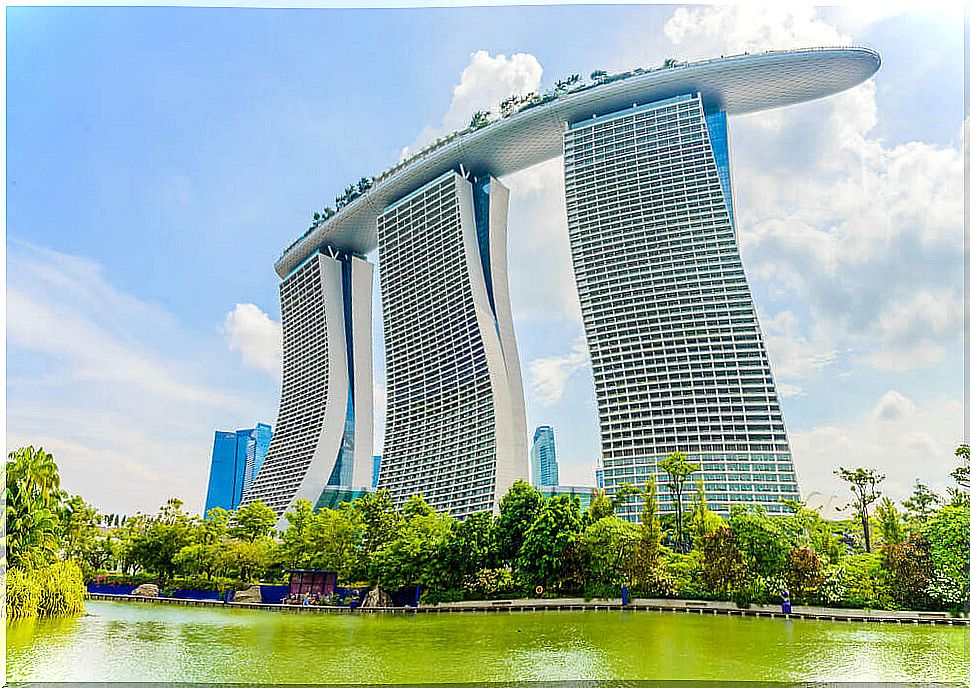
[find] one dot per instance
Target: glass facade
(236, 459)
(376, 473)
(678, 355)
(545, 470)
(581, 492)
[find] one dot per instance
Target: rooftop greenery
(509, 107)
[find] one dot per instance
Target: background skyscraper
(256, 447)
(236, 459)
(545, 469)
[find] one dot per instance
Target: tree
(253, 521)
(215, 526)
(920, 505)
(600, 506)
(678, 470)
(890, 522)
(333, 541)
(597, 75)
(35, 473)
(159, 539)
(411, 555)
(518, 510)
(34, 504)
(862, 482)
(248, 560)
(480, 119)
(207, 559)
(962, 473)
(376, 515)
(761, 538)
(702, 521)
(803, 573)
(949, 543)
(469, 547)
(612, 545)
(723, 565)
(909, 570)
(81, 537)
(329, 539)
(547, 545)
(651, 532)
(296, 541)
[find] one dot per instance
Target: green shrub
(110, 578)
(23, 593)
(441, 596)
(864, 583)
(491, 582)
(684, 571)
(61, 587)
(601, 591)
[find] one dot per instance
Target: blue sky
(159, 159)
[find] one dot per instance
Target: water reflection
(125, 642)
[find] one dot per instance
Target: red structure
(311, 582)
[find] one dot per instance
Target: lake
(117, 641)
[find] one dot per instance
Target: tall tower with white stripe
(455, 410)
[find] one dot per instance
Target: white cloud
(485, 82)
(732, 29)
(548, 376)
(866, 235)
(541, 279)
(257, 337)
(896, 436)
(792, 355)
(893, 406)
(124, 396)
(61, 307)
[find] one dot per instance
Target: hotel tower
(679, 359)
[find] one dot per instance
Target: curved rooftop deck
(738, 85)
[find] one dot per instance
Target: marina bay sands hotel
(678, 355)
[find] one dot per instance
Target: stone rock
(146, 590)
(377, 598)
(251, 595)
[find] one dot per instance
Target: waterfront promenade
(579, 604)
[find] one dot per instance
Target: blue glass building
(376, 471)
(236, 460)
(545, 470)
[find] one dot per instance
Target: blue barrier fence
(273, 594)
(111, 589)
(182, 594)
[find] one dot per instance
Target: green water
(119, 641)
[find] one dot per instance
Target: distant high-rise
(545, 469)
(600, 481)
(256, 448)
(236, 459)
